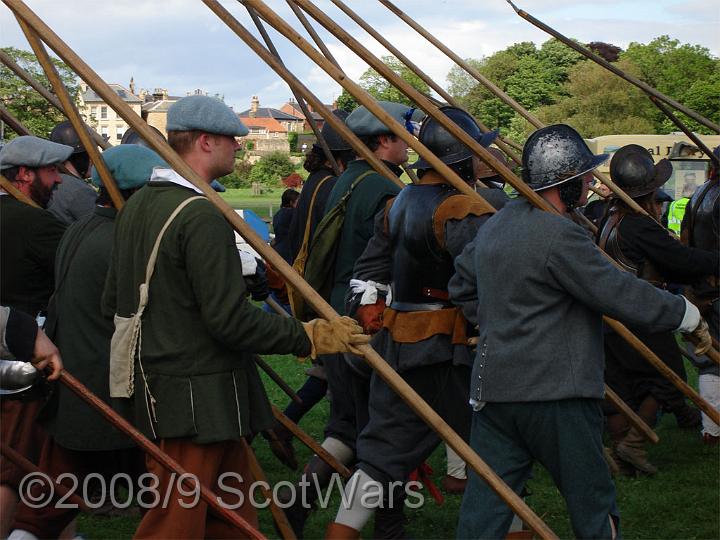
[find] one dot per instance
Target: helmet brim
(591, 165)
(663, 172)
(485, 140)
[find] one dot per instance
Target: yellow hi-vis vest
(676, 213)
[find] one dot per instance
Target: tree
(378, 87)
(600, 103)
(532, 76)
(460, 82)
(26, 104)
(272, 168)
(347, 102)
(687, 73)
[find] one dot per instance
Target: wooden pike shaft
(679, 123)
(634, 420)
(614, 69)
(300, 101)
(311, 443)
(277, 379)
(72, 114)
(312, 33)
(278, 514)
(8, 186)
(16, 125)
(158, 455)
(451, 127)
(44, 92)
(509, 101)
(501, 143)
(28, 467)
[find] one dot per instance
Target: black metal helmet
(64, 133)
(633, 169)
(334, 141)
(556, 154)
(133, 137)
(444, 145)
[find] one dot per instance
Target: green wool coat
(198, 331)
(83, 336)
(368, 198)
(29, 238)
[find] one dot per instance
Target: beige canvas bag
(126, 343)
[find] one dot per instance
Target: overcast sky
(181, 45)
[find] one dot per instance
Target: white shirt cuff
(691, 319)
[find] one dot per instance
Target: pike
(649, 90)
(509, 101)
(311, 443)
(72, 113)
(44, 92)
(300, 101)
(500, 142)
(458, 133)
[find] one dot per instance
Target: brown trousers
(21, 432)
(207, 462)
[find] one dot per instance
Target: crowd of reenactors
(489, 308)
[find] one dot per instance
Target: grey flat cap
(204, 113)
(364, 123)
(30, 151)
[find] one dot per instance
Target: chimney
(132, 85)
(254, 104)
(158, 94)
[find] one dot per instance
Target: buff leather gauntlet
(336, 336)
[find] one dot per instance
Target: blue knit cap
(204, 113)
(130, 165)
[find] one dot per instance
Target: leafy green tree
(381, 89)
(292, 140)
(26, 104)
(347, 102)
(460, 82)
(687, 73)
(600, 103)
(272, 168)
(532, 76)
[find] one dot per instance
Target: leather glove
(370, 316)
(257, 283)
(702, 335)
(336, 336)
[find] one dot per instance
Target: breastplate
(421, 266)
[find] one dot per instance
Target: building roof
(297, 111)
(268, 123)
(90, 96)
(269, 112)
(158, 106)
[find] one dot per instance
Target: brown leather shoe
(338, 531)
(453, 485)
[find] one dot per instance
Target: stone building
(101, 116)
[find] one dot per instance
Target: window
(93, 112)
(119, 133)
(103, 112)
(103, 131)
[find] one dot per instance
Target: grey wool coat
(537, 287)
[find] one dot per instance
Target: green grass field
(681, 501)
